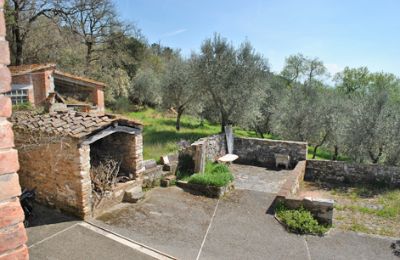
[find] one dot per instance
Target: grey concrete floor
(235, 227)
(258, 178)
(187, 226)
(54, 235)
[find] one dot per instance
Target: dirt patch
(369, 210)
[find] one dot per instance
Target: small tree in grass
(177, 87)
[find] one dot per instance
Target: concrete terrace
(187, 226)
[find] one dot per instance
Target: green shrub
(214, 175)
(23, 107)
(300, 220)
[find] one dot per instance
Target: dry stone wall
(59, 170)
(335, 172)
(261, 152)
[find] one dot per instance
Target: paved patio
(187, 226)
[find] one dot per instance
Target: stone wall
(12, 232)
(122, 147)
(254, 151)
(292, 183)
(206, 149)
(321, 209)
(58, 168)
(335, 172)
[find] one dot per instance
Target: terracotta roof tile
(71, 123)
(29, 68)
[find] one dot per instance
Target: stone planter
(312, 234)
(208, 191)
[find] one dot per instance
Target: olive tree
(371, 118)
(233, 79)
(177, 86)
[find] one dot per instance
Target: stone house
(34, 83)
(57, 151)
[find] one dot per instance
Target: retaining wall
(334, 172)
(322, 209)
(261, 152)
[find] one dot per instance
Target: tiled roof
(29, 68)
(68, 123)
(71, 76)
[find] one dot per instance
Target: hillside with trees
(358, 115)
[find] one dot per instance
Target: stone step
(134, 194)
(166, 182)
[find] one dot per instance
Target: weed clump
(217, 175)
(300, 221)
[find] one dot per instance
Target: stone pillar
(98, 98)
(86, 182)
(199, 157)
(12, 232)
(138, 157)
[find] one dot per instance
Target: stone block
(12, 237)
(2, 25)
(149, 164)
(9, 186)
(5, 53)
(5, 80)
(6, 135)
(5, 106)
(20, 253)
(11, 212)
(133, 195)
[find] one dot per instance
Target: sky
(340, 32)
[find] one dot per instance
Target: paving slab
(47, 222)
(79, 242)
(169, 219)
(241, 229)
(340, 245)
(258, 178)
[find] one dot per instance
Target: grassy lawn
(364, 209)
(160, 136)
(324, 155)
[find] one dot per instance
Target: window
(18, 96)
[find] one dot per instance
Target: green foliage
(300, 221)
(22, 107)
(214, 175)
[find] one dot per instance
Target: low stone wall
(113, 197)
(321, 209)
(209, 191)
(261, 152)
(334, 172)
(206, 149)
(292, 183)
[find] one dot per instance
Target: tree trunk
(315, 151)
(335, 153)
(320, 144)
(89, 49)
(178, 118)
(224, 122)
(375, 159)
(19, 42)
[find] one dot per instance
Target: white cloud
(173, 33)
